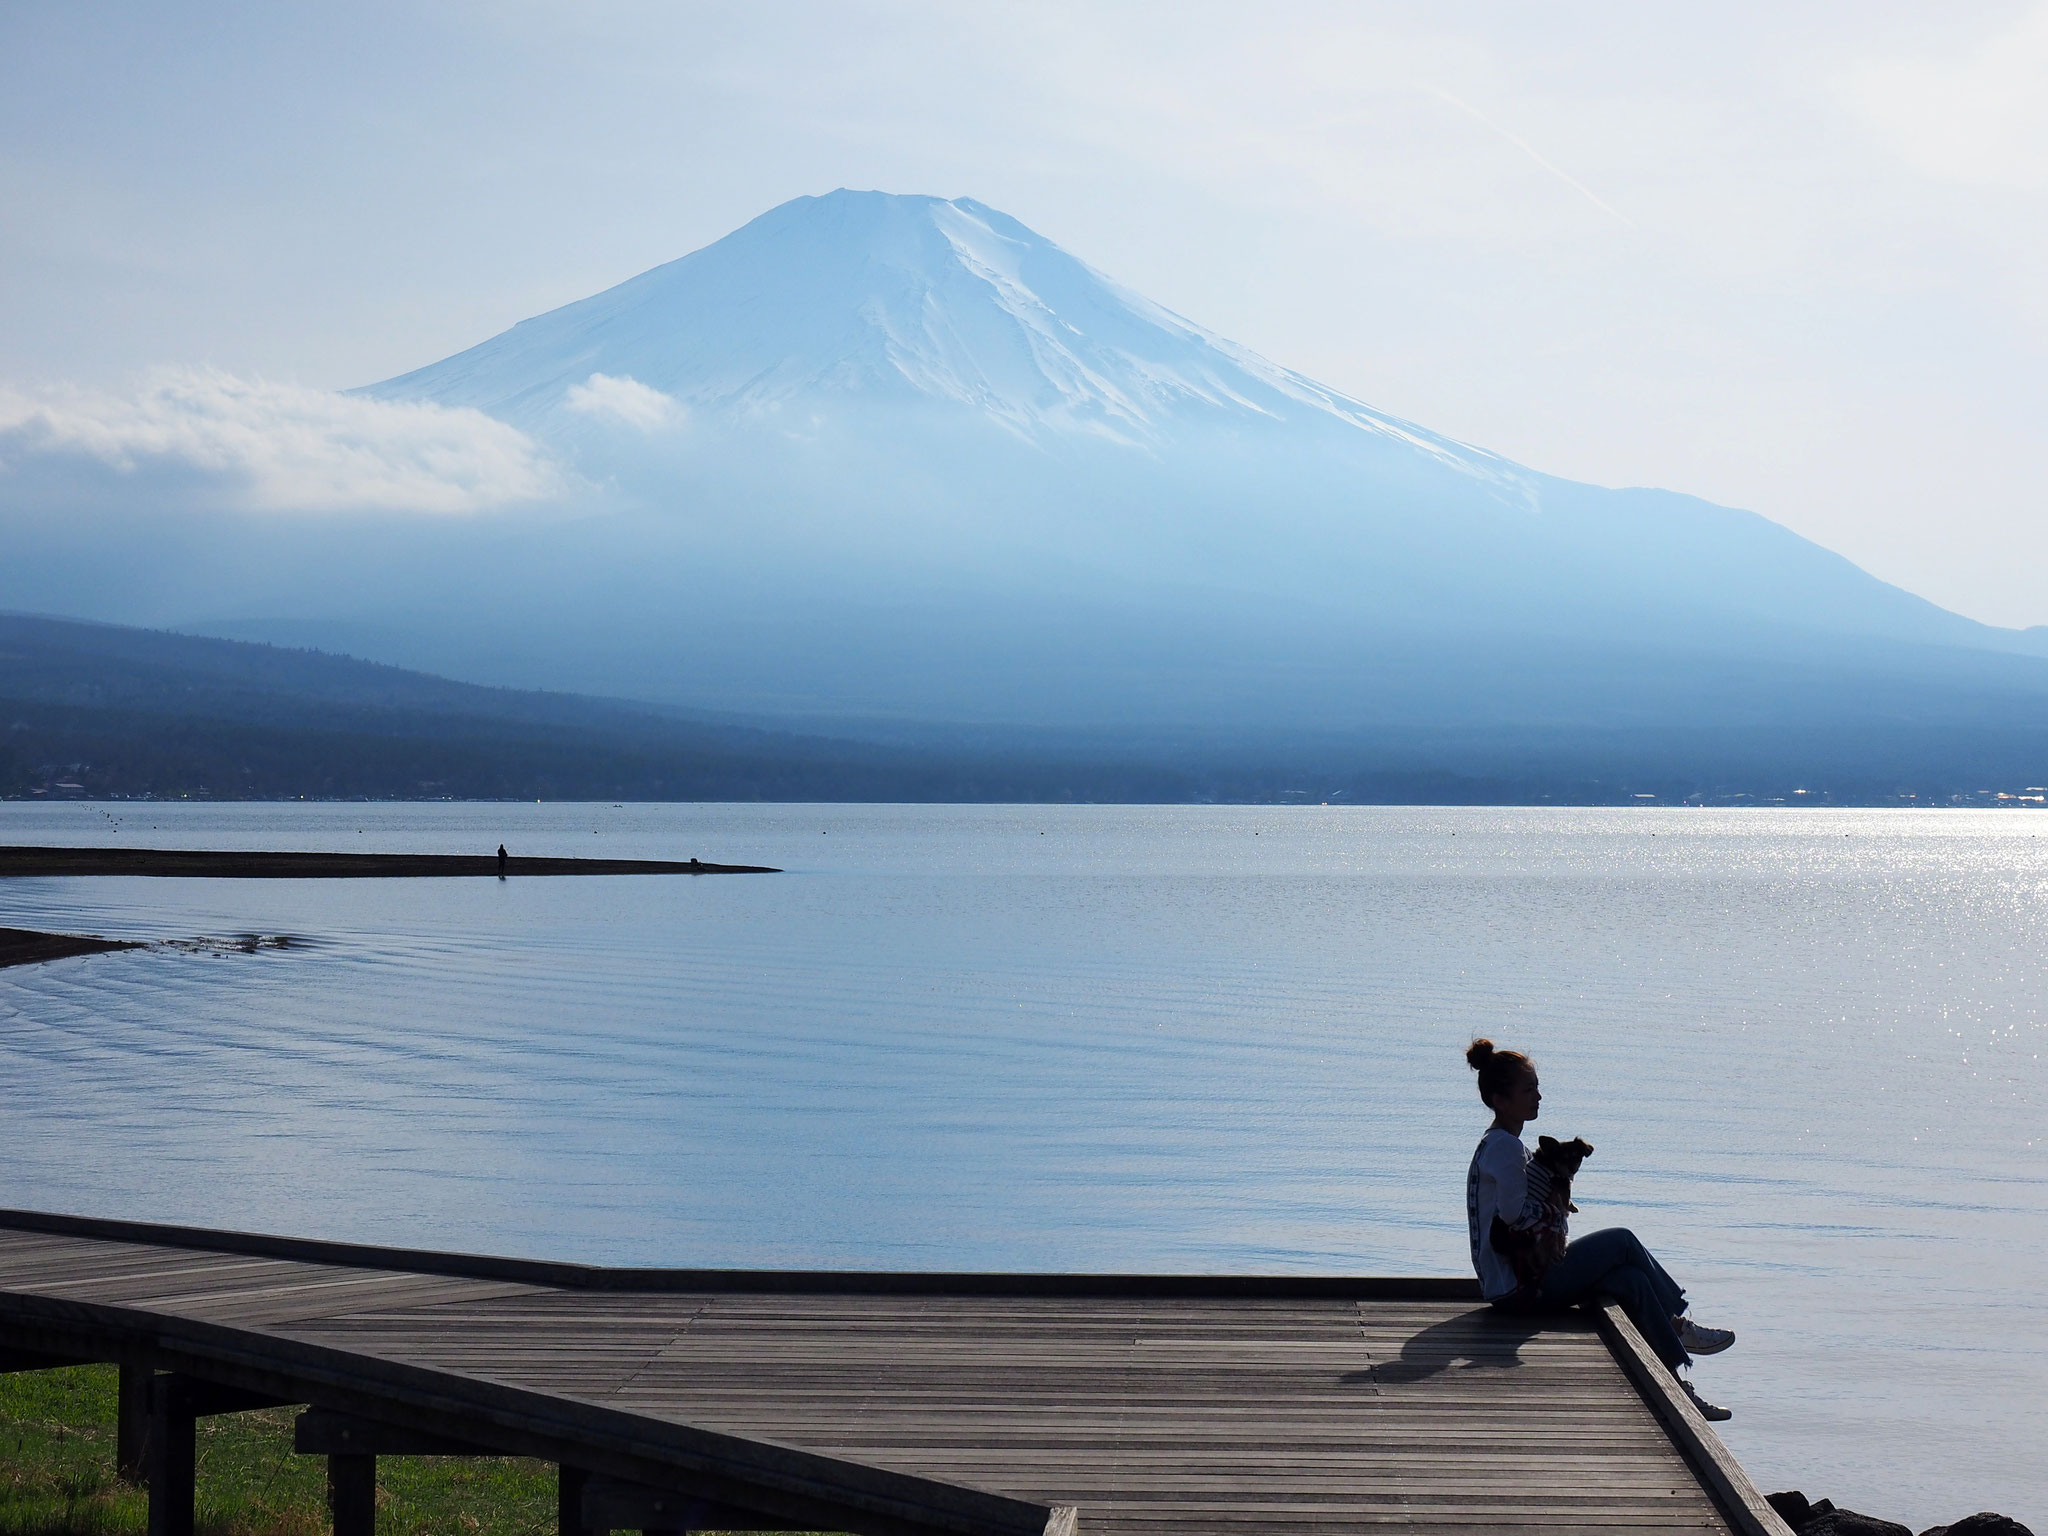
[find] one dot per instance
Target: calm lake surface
(1807, 1044)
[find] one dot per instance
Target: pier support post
(569, 1485)
(176, 1404)
(172, 1485)
(352, 1494)
(131, 1424)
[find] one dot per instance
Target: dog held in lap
(1552, 1167)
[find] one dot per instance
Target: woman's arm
(1522, 1189)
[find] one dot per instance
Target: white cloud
(625, 400)
(259, 446)
(1979, 117)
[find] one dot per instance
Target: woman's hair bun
(1498, 1070)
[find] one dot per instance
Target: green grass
(57, 1475)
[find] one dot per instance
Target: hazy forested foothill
(99, 711)
(93, 711)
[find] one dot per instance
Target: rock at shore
(1819, 1517)
(1983, 1523)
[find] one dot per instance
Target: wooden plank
(168, 1278)
(1086, 1480)
(334, 1296)
(772, 1282)
(58, 1263)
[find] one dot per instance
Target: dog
(1552, 1167)
(1562, 1161)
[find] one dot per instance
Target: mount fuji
(902, 465)
(915, 386)
(897, 301)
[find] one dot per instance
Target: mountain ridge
(92, 711)
(966, 322)
(109, 711)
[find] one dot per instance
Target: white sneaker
(1713, 1413)
(1703, 1341)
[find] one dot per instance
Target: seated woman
(1609, 1265)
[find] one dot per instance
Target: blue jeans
(1614, 1266)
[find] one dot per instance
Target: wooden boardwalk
(887, 1403)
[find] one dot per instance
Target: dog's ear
(1582, 1147)
(1547, 1143)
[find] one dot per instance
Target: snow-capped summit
(868, 299)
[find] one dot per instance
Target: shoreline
(264, 865)
(26, 946)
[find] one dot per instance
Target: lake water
(1807, 1044)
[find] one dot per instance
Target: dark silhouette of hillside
(93, 710)
(101, 711)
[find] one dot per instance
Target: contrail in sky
(1530, 150)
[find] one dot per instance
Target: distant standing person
(1607, 1266)
(501, 861)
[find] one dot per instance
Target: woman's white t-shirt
(1497, 1185)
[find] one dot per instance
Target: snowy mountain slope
(924, 390)
(899, 298)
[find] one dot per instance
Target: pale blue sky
(1786, 257)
